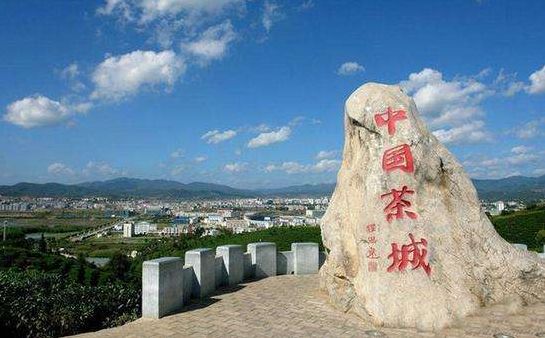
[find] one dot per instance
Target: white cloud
(513, 88)
(60, 169)
(529, 129)
(268, 138)
(452, 107)
(326, 165)
(519, 159)
(271, 14)
(101, 169)
(537, 82)
(324, 154)
(235, 167)
(177, 170)
(291, 167)
(200, 159)
(261, 128)
(507, 83)
(71, 71)
(39, 111)
(306, 5)
(288, 167)
(539, 171)
(212, 44)
(119, 77)
(110, 6)
(150, 10)
(216, 136)
(472, 132)
(177, 153)
(350, 68)
(446, 102)
(520, 149)
(521, 155)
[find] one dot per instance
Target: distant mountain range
(125, 187)
(515, 187)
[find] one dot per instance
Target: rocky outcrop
(409, 245)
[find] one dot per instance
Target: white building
(315, 213)
(500, 206)
(213, 219)
(144, 228)
(128, 229)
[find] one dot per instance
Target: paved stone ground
(293, 306)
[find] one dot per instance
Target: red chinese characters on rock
(390, 117)
(414, 253)
(399, 157)
(396, 208)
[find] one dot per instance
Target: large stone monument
(409, 245)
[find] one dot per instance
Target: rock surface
(455, 262)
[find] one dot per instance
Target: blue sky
(251, 93)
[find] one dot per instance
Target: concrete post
(284, 263)
(189, 280)
(219, 271)
(263, 259)
(233, 263)
(162, 287)
(248, 266)
(322, 257)
(523, 247)
(204, 271)
(306, 258)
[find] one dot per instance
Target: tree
(42, 244)
(119, 266)
(540, 237)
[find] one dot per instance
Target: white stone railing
(524, 247)
(168, 284)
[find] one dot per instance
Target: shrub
(540, 237)
(37, 304)
(521, 226)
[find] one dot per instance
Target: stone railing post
(233, 263)
(247, 265)
(204, 271)
(263, 259)
(306, 258)
(284, 263)
(523, 247)
(162, 286)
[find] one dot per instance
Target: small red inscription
(372, 266)
(372, 253)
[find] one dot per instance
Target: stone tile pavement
(293, 306)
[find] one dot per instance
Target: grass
(105, 246)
